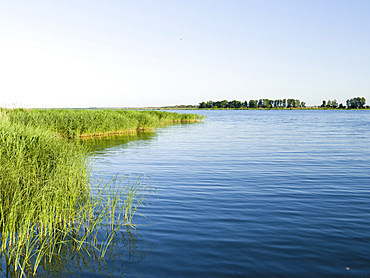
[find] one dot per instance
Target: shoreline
(295, 108)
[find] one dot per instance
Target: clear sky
(88, 53)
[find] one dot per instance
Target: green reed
(87, 122)
(46, 204)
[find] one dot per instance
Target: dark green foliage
(261, 103)
(356, 103)
(331, 104)
(353, 103)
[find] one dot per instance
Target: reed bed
(89, 123)
(46, 202)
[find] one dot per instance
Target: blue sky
(85, 53)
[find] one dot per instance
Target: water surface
(248, 194)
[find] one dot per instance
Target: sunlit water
(247, 194)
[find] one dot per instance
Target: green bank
(46, 205)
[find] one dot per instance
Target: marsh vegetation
(46, 204)
(90, 123)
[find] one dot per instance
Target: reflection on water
(99, 144)
(129, 247)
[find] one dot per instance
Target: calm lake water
(246, 194)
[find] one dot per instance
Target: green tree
(224, 104)
(357, 102)
(202, 105)
(253, 103)
(236, 104)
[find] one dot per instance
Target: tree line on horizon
(261, 103)
(357, 102)
(353, 103)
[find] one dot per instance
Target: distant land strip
(290, 103)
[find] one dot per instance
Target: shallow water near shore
(245, 194)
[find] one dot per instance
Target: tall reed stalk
(46, 202)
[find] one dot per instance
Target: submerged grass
(46, 204)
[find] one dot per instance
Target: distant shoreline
(291, 108)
